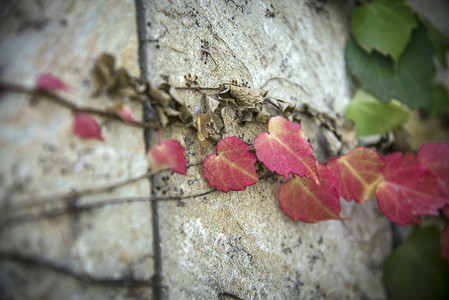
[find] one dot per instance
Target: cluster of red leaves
(406, 186)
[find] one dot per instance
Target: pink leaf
(303, 199)
(408, 191)
(285, 149)
(436, 157)
(232, 167)
(390, 204)
(168, 154)
(49, 82)
(358, 172)
(86, 127)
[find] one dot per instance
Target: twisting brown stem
(44, 200)
(199, 88)
(77, 209)
(48, 199)
(55, 98)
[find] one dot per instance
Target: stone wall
(218, 246)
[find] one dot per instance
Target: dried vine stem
(53, 97)
(76, 209)
(198, 88)
(79, 208)
(84, 278)
(75, 194)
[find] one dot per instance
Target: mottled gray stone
(213, 246)
(241, 243)
(41, 157)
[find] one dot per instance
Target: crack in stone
(149, 113)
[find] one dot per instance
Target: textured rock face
(220, 245)
(240, 243)
(41, 157)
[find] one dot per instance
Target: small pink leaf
(86, 127)
(303, 199)
(49, 82)
(232, 168)
(168, 154)
(284, 149)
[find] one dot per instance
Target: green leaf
(409, 82)
(416, 270)
(374, 117)
(440, 104)
(438, 40)
(384, 25)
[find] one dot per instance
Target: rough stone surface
(217, 246)
(240, 243)
(291, 48)
(41, 157)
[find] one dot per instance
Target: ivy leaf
(284, 149)
(440, 104)
(444, 242)
(384, 25)
(371, 116)
(303, 199)
(416, 270)
(168, 154)
(48, 82)
(435, 156)
(232, 167)
(409, 81)
(408, 190)
(438, 40)
(358, 173)
(86, 127)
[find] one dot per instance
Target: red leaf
(358, 172)
(436, 157)
(168, 154)
(232, 168)
(303, 199)
(49, 82)
(86, 127)
(408, 191)
(285, 149)
(444, 242)
(389, 203)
